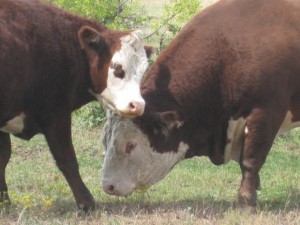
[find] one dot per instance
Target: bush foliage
(115, 14)
(175, 15)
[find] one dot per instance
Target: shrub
(115, 14)
(175, 15)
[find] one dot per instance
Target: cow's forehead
(118, 127)
(126, 128)
(130, 45)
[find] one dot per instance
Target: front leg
(5, 153)
(58, 136)
(262, 125)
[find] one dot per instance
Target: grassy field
(195, 192)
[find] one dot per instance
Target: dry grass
(195, 192)
(191, 194)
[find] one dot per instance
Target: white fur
(235, 132)
(143, 167)
(15, 125)
(132, 57)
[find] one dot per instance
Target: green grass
(195, 192)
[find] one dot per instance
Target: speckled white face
(130, 162)
(125, 73)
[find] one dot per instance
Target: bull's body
(223, 88)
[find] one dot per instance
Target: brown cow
(53, 62)
(223, 88)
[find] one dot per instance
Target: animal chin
(142, 189)
(126, 115)
(108, 104)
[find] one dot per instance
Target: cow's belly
(15, 125)
(237, 129)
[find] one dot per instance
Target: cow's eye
(118, 70)
(129, 147)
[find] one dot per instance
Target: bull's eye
(118, 70)
(129, 147)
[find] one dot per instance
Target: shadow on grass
(200, 207)
(288, 202)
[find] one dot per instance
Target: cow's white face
(130, 162)
(125, 73)
(116, 75)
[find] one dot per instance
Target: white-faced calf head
(130, 162)
(117, 65)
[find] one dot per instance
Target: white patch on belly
(246, 130)
(15, 125)
(235, 136)
(237, 129)
(287, 124)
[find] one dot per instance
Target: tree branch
(157, 29)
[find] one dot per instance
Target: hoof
(4, 198)
(246, 206)
(86, 207)
(247, 209)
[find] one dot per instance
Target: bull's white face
(130, 162)
(126, 70)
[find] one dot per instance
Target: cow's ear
(89, 38)
(149, 50)
(171, 119)
(168, 121)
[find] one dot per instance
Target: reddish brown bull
(53, 62)
(221, 89)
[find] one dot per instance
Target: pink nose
(136, 108)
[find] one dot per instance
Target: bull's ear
(89, 38)
(149, 50)
(168, 121)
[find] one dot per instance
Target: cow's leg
(58, 136)
(5, 153)
(262, 128)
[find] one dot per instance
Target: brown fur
(46, 73)
(237, 58)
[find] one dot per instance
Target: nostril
(132, 106)
(136, 108)
(110, 188)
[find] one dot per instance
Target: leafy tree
(175, 15)
(115, 14)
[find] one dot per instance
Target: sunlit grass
(195, 192)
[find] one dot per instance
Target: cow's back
(223, 88)
(39, 52)
(243, 45)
